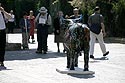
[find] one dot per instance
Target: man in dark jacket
(25, 25)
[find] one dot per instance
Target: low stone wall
(13, 46)
(114, 40)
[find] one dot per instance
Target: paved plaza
(25, 66)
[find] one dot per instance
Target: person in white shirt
(3, 14)
(43, 21)
(11, 22)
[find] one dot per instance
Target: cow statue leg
(86, 56)
(68, 59)
(76, 59)
(72, 60)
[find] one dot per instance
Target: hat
(11, 11)
(76, 9)
(43, 10)
(31, 11)
(96, 8)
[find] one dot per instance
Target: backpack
(38, 18)
(3, 16)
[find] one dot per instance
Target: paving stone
(26, 66)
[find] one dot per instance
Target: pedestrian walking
(11, 22)
(43, 22)
(59, 29)
(3, 14)
(25, 26)
(97, 31)
(31, 18)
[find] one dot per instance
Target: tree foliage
(119, 9)
(112, 10)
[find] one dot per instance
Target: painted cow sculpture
(76, 40)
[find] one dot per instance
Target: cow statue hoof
(72, 68)
(86, 69)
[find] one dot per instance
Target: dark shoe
(72, 68)
(91, 56)
(38, 51)
(86, 69)
(64, 51)
(58, 51)
(76, 65)
(67, 66)
(33, 41)
(1, 64)
(44, 52)
(25, 47)
(106, 53)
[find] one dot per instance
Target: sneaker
(91, 56)
(106, 53)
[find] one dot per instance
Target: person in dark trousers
(25, 26)
(43, 21)
(11, 22)
(97, 18)
(3, 14)
(59, 29)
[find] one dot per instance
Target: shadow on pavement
(4, 68)
(30, 54)
(102, 58)
(82, 76)
(96, 60)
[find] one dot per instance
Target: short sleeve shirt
(96, 18)
(2, 22)
(12, 19)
